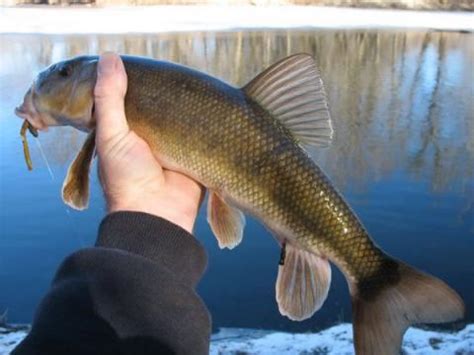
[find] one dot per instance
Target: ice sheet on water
(153, 19)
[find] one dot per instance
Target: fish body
(237, 149)
(246, 145)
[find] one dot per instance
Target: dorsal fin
(293, 92)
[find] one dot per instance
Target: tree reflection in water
(400, 100)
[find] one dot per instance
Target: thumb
(109, 94)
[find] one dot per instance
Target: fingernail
(107, 63)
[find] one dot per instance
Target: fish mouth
(27, 111)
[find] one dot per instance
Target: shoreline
(172, 18)
(335, 340)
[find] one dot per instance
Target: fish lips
(28, 111)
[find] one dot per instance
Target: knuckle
(100, 91)
(113, 144)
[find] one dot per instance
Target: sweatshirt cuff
(154, 238)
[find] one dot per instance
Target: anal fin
(227, 222)
(302, 284)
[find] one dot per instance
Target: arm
(134, 292)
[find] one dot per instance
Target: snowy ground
(333, 341)
(337, 341)
(193, 18)
(9, 338)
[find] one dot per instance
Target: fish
(249, 147)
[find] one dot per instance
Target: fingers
(109, 94)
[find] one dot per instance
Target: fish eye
(65, 71)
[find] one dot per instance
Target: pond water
(403, 156)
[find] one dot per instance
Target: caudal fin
(383, 310)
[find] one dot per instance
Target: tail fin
(383, 310)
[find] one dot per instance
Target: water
(403, 156)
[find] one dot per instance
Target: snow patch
(152, 19)
(337, 341)
(333, 341)
(10, 337)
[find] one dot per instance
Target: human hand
(132, 179)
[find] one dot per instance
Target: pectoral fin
(76, 185)
(302, 283)
(227, 223)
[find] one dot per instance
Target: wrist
(179, 215)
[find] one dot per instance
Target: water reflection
(403, 155)
(398, 99)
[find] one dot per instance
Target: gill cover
(62, 95)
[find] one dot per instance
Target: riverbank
(332, 341)
(154, 19)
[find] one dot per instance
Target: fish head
(62, 94)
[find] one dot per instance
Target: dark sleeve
(133, 293)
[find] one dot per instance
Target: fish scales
(234, 145)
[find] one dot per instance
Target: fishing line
(68, 213)
(38, 143)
